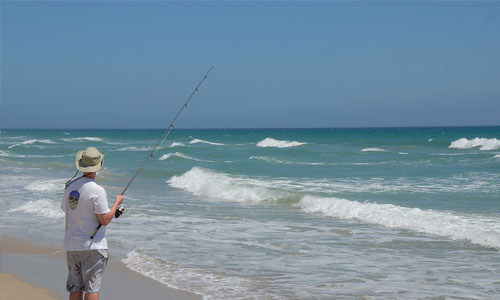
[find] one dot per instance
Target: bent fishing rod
(155, 148)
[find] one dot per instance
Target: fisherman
(85, 204)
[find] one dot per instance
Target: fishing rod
(161, 140)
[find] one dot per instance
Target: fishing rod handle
(95, 232)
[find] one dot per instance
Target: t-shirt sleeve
(101, 204)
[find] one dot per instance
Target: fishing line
(165, 133)
(155, 148)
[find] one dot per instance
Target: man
(85, 204)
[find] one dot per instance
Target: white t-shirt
(83, 201)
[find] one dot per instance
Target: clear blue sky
(277, 64)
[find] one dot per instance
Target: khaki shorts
(85, 269)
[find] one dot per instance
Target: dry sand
(13, 288)
(32, 271)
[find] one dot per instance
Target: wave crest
(483, 144)
(285, 162)
(6, 154)
(270, 142)
(85, 138)
(204, 182)
(181, 155)
(29, 142)
(177, 144)
(196, 141)
(132, 148)
(373, 150)
(476, 229)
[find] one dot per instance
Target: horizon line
(252, 128)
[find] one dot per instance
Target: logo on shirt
(73, 199)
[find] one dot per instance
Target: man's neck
(89, 175)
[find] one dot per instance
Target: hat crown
(90, 157)
(89, 160)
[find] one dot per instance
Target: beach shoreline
(29, 269)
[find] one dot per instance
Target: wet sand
(32, 271)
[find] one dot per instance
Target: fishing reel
(119, 211)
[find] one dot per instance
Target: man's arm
(106, 218)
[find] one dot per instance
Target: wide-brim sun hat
(89, 160)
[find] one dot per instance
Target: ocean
(371, 213)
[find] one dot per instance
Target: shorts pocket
(103, 252)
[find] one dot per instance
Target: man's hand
(119, 199)
(104, 219)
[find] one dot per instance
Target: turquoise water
(386, 213)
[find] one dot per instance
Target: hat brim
(88, 169)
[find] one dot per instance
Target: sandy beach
(31, 271)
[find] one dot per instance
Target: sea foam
(204, 182)
(482, 143)
(181, 155)
(46, 185)
(373, 150)
(215, 286)
(285, 162)
(270, 142)
(29, 142)
(196, 141)
(476, 229)
(44, 208)
(177, 144)
(7, 154)
(86, 138)
(132, 148)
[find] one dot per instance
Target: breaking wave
(373, 150)
(29, 142)
(204, 182)
(6, 154)
(46, 185)
(181, 155)
(270, 142)
(286, 162)
(44, 208)
(134, 149)
(86, 138)
(177, 144)
(476, 229)
(196, 141)
(482, 143)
